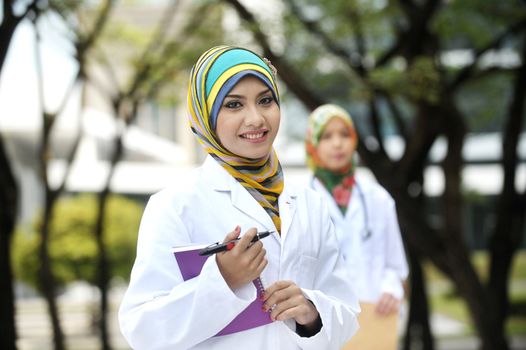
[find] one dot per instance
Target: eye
(232, 104)
(325, 136)
(266, 100)
(345, 133)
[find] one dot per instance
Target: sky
(19, 102)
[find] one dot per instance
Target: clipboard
(376, 332)
(191, 263)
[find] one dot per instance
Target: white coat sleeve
(333, 295)
(160, 310)
(395, 270)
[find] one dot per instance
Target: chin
(255, 155)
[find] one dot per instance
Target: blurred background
(93, 121)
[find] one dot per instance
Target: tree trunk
(507, 235)
(479, 304)
(7, 29)
(102, 271)
(8, 203)
(9, 208)
(47, 280)
(418, 331)
(103, 261)
(457, 253)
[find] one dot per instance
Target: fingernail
(237, 228)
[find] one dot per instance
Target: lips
(338, 156)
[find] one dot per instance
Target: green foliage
(72, 243)
(415, 77)
(474, 22)
(473, 102)
(420, 82)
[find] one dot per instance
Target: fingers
(387, 304)
(285, 300)
(259, 260)
(244, 242)
(233, 235)
(275, 287)
(288, 307)
(279, 292)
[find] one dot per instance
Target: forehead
(249, 84)
(335, 124)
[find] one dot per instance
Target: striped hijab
(215, 73)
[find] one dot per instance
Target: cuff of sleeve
(391, 284)
(315, 341)
(241, 296)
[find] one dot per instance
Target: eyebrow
(242, 96)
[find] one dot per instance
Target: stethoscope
(366, 232)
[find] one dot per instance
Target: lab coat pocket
(307, 271)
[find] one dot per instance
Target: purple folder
(190, 264)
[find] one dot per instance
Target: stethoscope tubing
(366, 232)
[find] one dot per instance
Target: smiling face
(336, 146)
(248, 120)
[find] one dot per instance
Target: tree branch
(396, 114)
(510, 159)
(314, 28)
(356, 23)
(147, 64)
(419, 144)
(86, 43)
(412, 41)
(467, 72)
(376, 124)
(286, 72)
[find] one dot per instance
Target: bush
(72, 244)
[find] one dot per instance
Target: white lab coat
(161, 311)
(376, 261)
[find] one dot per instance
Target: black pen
(224, 246)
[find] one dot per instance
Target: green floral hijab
(339, 183)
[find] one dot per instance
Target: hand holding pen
(245, 260)
(229, 245)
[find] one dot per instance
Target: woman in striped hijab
(214, 75)
(286, 291)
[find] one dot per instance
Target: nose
(336, 141)
(254, 117)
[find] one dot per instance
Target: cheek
(225, 134)
(275, 117)
(349, 149)
(226, 126)
(322, 150)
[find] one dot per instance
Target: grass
(444, 300)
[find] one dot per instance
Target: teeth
(253, 136)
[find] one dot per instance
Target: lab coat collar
(287, 208)
(333, 208)
(353, 206)
(220, 180)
